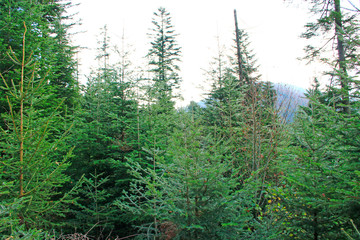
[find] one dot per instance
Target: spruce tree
(224, 106)
(192, 197)
(157, 113)
(320, 171)
(32, 170)
(310, 183)
(164, 55)
(49, 43)
(104, 135)
(338, 25)
(321, 191)
(242, 112)
(95, 213)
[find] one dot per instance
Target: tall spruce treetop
(164, 55)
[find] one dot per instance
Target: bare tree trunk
(238, 52)
(341, 58)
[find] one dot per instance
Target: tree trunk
(238, 53)
(341, 58)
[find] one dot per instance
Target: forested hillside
(115, 159)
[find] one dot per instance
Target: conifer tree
(32, 170)
(245, 108)
(192, 197)
(321, 192)
(312, 181)
(95, 214)
(243, 111)
(104, 135)
(157, 115)
(164, 55)
(63, 81)
(48, 40)
(338, 26)
(224, 105)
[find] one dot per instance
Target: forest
(115, 159)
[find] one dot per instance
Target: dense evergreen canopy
(115, 159)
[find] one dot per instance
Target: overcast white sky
(274, 27)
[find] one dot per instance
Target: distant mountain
(289, 98)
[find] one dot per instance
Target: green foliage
(95, 215)
(355, 228)
(29, 234)
(242, 113)
(31, 169)
(223, 114)
(105, 133)
(320, 167)
(229, 170)
(336, 25)
(189, 197)
(164, 55)
(320, 172)
(47, 41)
(249, 68)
